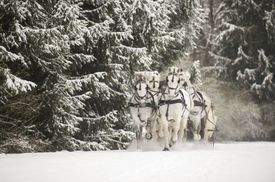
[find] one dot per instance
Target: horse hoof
(166, 149)
(172, 143)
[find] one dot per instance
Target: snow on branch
(220, 59)
(228, 29)
(9, 56)
(265, 90)
(242, 56)
(79, 82)
(81, 58)
(270, 25)
(93, 81)
(264, 62)
(252, 76)
(16, 84)
(196, 74)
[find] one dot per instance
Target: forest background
(66, 67)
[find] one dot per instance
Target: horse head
(141, 85)
(173, 70)
(153, 81)
(172, 81)
(184, 77)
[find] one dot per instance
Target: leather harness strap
(141, 105)
(164, 102)
(175, 101)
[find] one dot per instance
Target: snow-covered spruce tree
(167, 29)
(186, 23)
(244, 42)
(108, 39)
(76, 101)
(16, 75)
(13, 63)
(149, 21)
(259, 79)
(196, 75)
(93, 90)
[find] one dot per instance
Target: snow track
(245, 162)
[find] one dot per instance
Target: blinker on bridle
(154, 82)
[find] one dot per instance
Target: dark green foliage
(243, 46)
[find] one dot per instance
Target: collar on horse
(153, 92)
(140, 104)
(201, 101)
(176, 89)
(172, 101)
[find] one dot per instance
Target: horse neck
(139, 98)
(172, 92)
(153, 91)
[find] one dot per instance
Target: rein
(154, 93)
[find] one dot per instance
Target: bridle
(154, 82)
(154, 92)
(171, 88)
(136, 92)
(145, 97)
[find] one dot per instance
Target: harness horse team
(171, 111)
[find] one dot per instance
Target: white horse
(141, 107)
(153, 82)
(173, 110)
(202, 113)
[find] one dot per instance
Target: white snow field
(232, 162)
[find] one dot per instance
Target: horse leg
(160, 130)
(210, 125)
(175, 129)
(166, 134)
(196, 127)
(149, 128)
(156, 128)
(183, 127)
(138, 134)
(170, 131)
(203, 129)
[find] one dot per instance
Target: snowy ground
(242, 162)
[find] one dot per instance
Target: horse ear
(147, 88)
(166, 79)
(178, 80)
